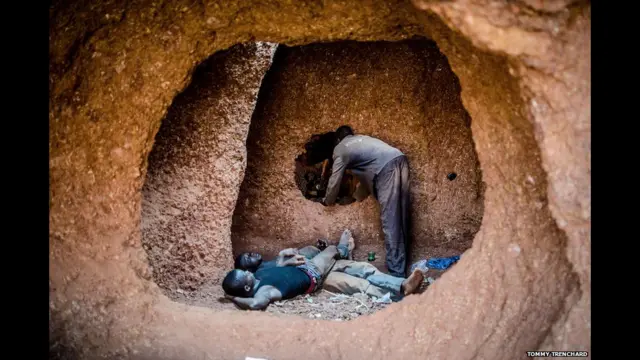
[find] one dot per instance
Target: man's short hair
(343, 131)
(242, 263)
(239, 263)
(233, 284)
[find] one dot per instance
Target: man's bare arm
(292, 261)
(242, 303)
(288, 252)
(259, 301)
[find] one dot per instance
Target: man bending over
(384, 172)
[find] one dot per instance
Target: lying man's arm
(254, 303)
(292, 261)
(259, 301)
(288, 252)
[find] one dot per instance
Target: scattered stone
(361, 297)
(386, 299)
(339, 297)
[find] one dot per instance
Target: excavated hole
(95, 168)
(313, 169)
(402, 92)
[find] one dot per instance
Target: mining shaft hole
(313, 168)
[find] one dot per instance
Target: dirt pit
(115, 69)
(402, 92)
(276, 108)
(322, 304)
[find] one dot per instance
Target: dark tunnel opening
(313, 168)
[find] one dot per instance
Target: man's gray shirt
(364, 156)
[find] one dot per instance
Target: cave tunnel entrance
(403, 93)
(110, 82)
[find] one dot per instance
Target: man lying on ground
(287, 257)
(251, 291)
(346, 276)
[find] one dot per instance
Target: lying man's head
(239, 283)
(248, 261)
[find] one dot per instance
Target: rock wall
(401, 92)
(115, 68)
(548, 44)
(196, 166)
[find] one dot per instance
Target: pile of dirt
(327, 305)
(320, 305)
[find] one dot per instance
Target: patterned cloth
(314, 275)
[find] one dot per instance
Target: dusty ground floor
(322, 304)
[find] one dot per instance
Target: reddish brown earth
(323, 304)
(196, 166)
(401, 92)
(524, 70)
